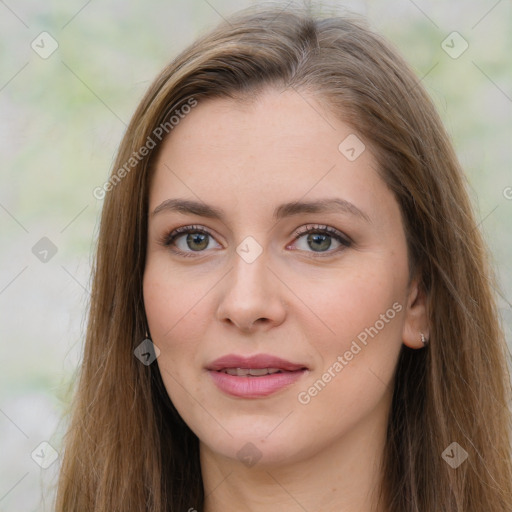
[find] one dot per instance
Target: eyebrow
(327, 205)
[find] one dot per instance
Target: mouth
(254, 377)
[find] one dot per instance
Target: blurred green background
(62, 117)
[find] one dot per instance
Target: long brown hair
(127, 449)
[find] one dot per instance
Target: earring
(423, 339)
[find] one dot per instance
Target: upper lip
(254, 362)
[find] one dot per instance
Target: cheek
(364, 312)
(172, 298)
(171, 306)
(179, 311)
(352, 302)
(174, 307)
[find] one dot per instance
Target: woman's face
(245, 279)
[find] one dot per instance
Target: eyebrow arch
(327, 205)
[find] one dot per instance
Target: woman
(291, 307)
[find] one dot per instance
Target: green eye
(318, 240)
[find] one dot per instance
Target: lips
(254, 377)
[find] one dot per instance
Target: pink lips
(252, 386)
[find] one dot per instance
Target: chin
(255, 448)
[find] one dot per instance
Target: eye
(194, 238)
(319, 238)
(188, 240)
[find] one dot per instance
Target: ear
(416, 318)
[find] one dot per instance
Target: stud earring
(423, 339)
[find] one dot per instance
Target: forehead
(283, 145)
(275, 120)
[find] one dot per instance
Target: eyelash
(168, 239)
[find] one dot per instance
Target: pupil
(316, 237)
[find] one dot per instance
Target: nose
(252, 296)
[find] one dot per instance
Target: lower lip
(254, 387)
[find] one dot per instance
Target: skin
(247, 158)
